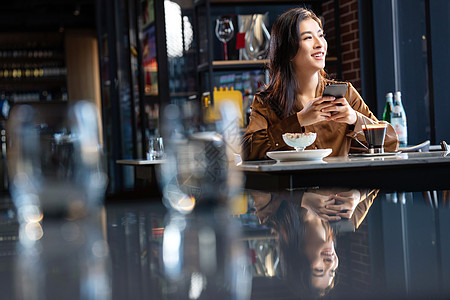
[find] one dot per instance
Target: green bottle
(388, 108)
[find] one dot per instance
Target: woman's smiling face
(321, 253)
(312, 49)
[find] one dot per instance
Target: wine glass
(224, 32)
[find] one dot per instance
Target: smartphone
(337, 90)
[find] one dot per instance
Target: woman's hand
(341, 112)
(316, 111)
(318, 204)
(344, 203)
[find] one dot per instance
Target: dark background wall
(423, 34)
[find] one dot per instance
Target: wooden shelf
(234, 65)
(61, 79)
(21, 85)
(41, 102)
(183, 94)
(57, 59)
(244, 64)
(240, 62)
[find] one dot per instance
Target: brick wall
(354, 271)
(349, 38)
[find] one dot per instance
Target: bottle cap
(398, 94)
(389, 95)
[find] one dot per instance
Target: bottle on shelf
(398, 119)
(388, 108)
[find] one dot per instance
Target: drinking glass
(57, 183)
(204, 256)
(374, 135)
(224, 32)
(54, 158)
(200, 169)
(155, 148)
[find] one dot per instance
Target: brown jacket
(265, 129)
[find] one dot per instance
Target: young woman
(292, 100)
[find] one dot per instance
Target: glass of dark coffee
(374, 134)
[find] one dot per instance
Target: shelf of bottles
(32, 71)
(233, 41)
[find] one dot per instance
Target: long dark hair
(288, 225)
(280, 93)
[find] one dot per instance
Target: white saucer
(315, 154)
(374, 154)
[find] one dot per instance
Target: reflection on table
(269, 245)
(145, 174)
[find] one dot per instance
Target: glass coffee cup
(374, 135)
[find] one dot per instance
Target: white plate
(292, 155)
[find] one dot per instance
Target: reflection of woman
(334, 204)
(306, 243)
(329, 204)
(292, 101)
(320, 251)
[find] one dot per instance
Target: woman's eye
(307, 38)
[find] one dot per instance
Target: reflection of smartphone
(336, 90)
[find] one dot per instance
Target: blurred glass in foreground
(204, 257)
(200, 168)
(203, 254)
(57, 184)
